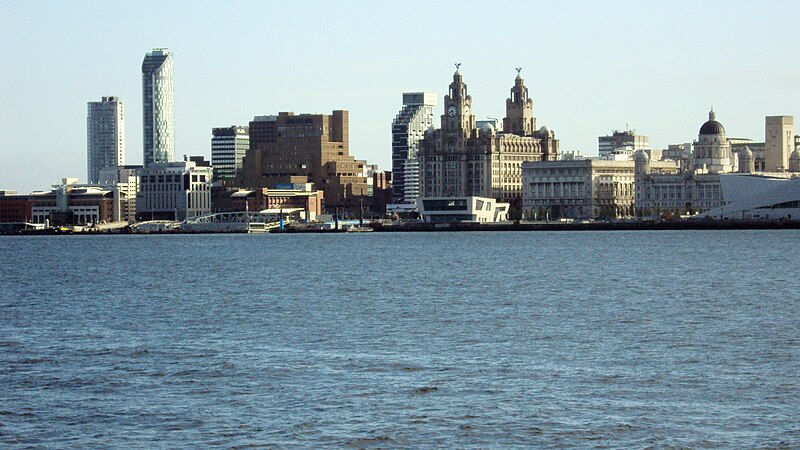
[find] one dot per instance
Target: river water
(401, 340)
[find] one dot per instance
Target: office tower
(228, 147)
(306, 148)
(621, 145)
(105, 136)
(158, 107)
(408, 128)
(778, 142)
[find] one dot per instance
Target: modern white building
(105, 136)
(228, 147)
(174, 191)
(758, 197)
(462, 209)
(158, 115)
(408, 128)
(124, 182)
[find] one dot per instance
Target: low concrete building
(174, 191)
(462, 209)
(72, 204)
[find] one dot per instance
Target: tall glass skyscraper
(158, 107)
(408, 128)
(105, 136)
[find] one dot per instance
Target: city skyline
(590, 69)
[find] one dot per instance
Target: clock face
(451, 111)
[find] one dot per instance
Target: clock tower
(519, 110)
(458, 107)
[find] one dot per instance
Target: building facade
(408, 129)
(582, 188)
(124, 182)
(697, 187)
(228, 147)
(72, 204)
(621, 145)
(174, 191)
(306, 148)
(462, 209)
(460, 160)
(14, 207)
(158, 105)
(105, 136)
(778, 142)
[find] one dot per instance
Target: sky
(591, 67)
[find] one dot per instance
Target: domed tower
(794, 161)
(712, 150)
(747, 162)
(519, 109)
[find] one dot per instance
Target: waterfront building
(460, 160)
(697, 187)
(228, 147)
(124, 182)
(462, 209)
(621, 145)
(778, 142)
(174, 191)
(158, 116)
(768, 196)
(582, 188)
(292, 149)
(408, 129)
(302, 198)
(14, 207)
(105, 136)
(70, 203)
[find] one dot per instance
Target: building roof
(712, 126)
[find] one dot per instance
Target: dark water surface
(489, 340)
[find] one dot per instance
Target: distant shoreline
(462, 227)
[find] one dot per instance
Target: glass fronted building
(228, 147)
(408, 128)
(158, 107)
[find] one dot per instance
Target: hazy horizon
(590, 68)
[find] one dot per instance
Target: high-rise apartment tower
(158, 107)
(408, 128)
(105, 136)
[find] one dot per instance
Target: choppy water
(490, 340)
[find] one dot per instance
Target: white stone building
(174, 191)
(581, 188)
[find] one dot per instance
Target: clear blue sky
(591, 67)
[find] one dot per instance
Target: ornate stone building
(460, 160)
(697, 187)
